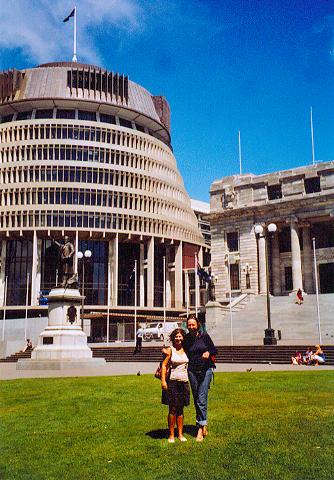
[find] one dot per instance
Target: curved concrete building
(87, 153)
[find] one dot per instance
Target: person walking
(175, 389)
(201, 352)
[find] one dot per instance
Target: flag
(69, 16)
(203, 274)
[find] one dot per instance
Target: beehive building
(87, 153)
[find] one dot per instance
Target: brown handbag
(158, 371)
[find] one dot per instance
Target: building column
(150, 273)
(178, 276)
(276, 264)
(36, 269)
(141, 276)
(113, 272)
(168, 279)
(262, 265)
(3, 272)
(76, 249)
(307, 259)
(296, 260)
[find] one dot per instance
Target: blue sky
(254, 66)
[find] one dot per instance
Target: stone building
(87, 153)
(300, 202)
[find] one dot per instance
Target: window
(44, 113)
(125, 123)
(107, 118)
(232, 240)
(66, 114)
(274, 192)
(312, 185)
(140, 128)
(84, 115)
(23, 115)
(7, 118)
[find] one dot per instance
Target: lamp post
(83, 256)
(269, 333)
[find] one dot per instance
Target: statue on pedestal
(211, 287)
(66, 267)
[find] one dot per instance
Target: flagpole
(74, 59)
(135, 300)
(312, 138)
(26, 315)
(240, 162)
(196, 286)
(108, 325)
(187, 292)
(316, 289)
(164, 294)
(230, 296)
(4, 310)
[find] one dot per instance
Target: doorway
(326, 274)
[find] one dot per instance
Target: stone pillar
(141, 276)
(308, 260)
(36, 269)
(3, 271)
(262, 265)
(150, 273)
(113, 272)
(76, 249)
(178, 276)
(296, 260)
(276, 265)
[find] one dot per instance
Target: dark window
(84, 115)
(107, 118)
(323, 234)
(140, 128)
(18, 265)
(7, 118)
(234, 272)
(125, 123)
(44, 113)
(232, 239)
(66, 114)
(288, 278)
(23, 115)
(274, 192)
(312, 185)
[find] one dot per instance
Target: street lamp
(83, 256)
(269, 333)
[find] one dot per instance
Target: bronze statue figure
(66, 266)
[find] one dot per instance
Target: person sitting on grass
(175, 390)
(297, 359)
(318, 356)
(308, 356)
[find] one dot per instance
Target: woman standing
(200, 350)
(175, 390)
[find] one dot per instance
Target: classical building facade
(87, 153)
(300, 202)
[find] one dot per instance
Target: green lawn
(262, 426)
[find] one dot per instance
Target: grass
(268, 426)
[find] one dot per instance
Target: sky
(224, 66)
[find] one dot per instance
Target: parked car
(156, 331)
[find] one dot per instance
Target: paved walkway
(8, 370)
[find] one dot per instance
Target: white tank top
(179, 366)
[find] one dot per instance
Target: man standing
(66, 252)
(139, 341)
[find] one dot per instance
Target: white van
(156, 330)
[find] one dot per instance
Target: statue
(66, 268)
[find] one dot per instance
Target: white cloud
(36, 26)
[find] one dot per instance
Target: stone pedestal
(213, 315)
(62, 344)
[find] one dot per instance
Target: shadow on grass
(163, 432)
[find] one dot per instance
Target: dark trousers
(139, 342)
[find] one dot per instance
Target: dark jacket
(195, 347)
